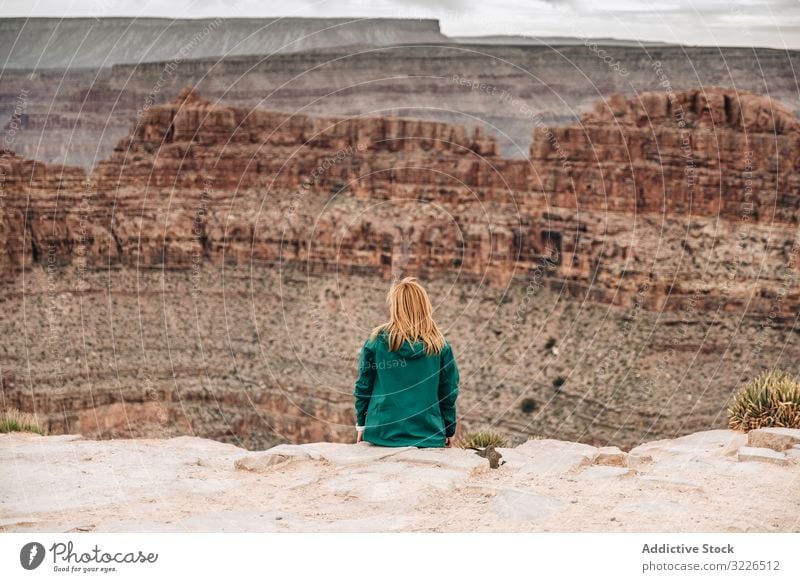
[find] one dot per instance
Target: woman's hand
(360, 436)
(448, 442)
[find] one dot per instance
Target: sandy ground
(694, 483)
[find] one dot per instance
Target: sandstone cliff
(704, 482)
(695, 197)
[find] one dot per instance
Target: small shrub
(550, 343)
(559, 381)
(528, 405)
(772, 399)
(12, 420)
(481, 439)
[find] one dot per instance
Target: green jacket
(406, 398)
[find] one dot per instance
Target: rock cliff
(694, 196)
(704, 482)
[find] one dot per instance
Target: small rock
(775, 438)
(611, 456)
(763, 454)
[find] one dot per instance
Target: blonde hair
(410, 318)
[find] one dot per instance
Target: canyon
(626, 276)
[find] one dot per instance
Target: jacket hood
(408, 350)
(411, 351)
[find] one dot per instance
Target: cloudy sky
(773, 23)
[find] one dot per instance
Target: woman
(407, 376)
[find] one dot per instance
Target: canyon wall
(681, 195)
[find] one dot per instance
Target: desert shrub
(550, 343)
(12, 420)
(559, 381)
(481, 439)
(528, 405)
(771, 399)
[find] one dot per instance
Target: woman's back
(406, 396)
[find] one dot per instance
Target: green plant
(12, 420)
(481, 439)
(559, 381)
(528, 405)
(771, 399)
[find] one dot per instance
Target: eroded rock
(775, 438)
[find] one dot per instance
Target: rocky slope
(712, 481)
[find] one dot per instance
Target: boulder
(775, 438)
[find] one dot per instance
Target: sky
(768, 23)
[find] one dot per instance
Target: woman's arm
(365, 382)
(448, 390)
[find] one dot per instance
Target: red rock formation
(650, 191)
(707, 172)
